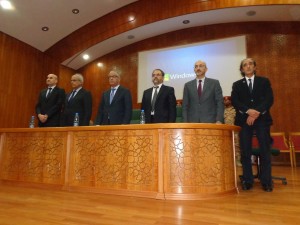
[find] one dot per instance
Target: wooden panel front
(198, 162)
(163, 161)
(115, 159)
(37, 157)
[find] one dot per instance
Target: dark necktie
(72, 95)
(48, 92)
(112, 94)
(200, 88)
(154, 99)
(250, 85)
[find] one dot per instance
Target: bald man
(50, 102)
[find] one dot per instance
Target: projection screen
(222, 56)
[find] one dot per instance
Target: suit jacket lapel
(162, 89)
(116, 95)
(205, 86)
(195, 90)
(44, 93)
(246, 86)
(256, 81)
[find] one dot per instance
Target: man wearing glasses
(78, 101)
(116, 103)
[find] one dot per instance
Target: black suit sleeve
(100, 113)
(172, 105)
(87, 105)
(57, 106)
(128, 107)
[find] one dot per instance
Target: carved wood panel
(115, 159)
(34, 157)
(199, 161)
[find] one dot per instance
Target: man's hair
(162, 72)
(241, 65)
(80, 77)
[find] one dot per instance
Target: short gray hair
(79, 76)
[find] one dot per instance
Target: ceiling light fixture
(130, 37)
(85, 56)
(6, 4)
(45, 28)
(251, 13)
(186, 22)
(75, 11)
(131, 18)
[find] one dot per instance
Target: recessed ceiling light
(130, 37)
(131, 18)
(186, 22)
(6, 4)
(45, 28)
(85, 56)
(250, 13)
(75, 11)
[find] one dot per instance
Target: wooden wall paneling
(278, 59)
(23, 72)
(65, 75)
(162, 161)
(145, 12)
(124, 160)
(274, 45)
(34, 157)
(198, 163)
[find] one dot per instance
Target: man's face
(157, 77)
(51, 80)
(248, 67)
(200, 69)
(113, 79)
(75, 82)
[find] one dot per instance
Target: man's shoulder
(167, 87)
(122, 87)
(240, 81)
(84, 91)
(59, 89)
(261, 78)
(212, 80)
(190, 82)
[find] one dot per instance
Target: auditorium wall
(274, 45)
(23, 71)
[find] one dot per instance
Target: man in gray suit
(202, 98)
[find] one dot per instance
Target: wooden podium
(179, 161)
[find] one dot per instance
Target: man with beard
(202, 98)
(159, 101)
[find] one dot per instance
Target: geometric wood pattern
(34, 157)
(200, 161)
(163, 161)
(119, 159)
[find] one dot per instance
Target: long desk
(179, 161)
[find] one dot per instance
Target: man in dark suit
(159, 102)
(202, 98)
(78, 101)
(252, 97)
(50, 102)
(116, 103)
